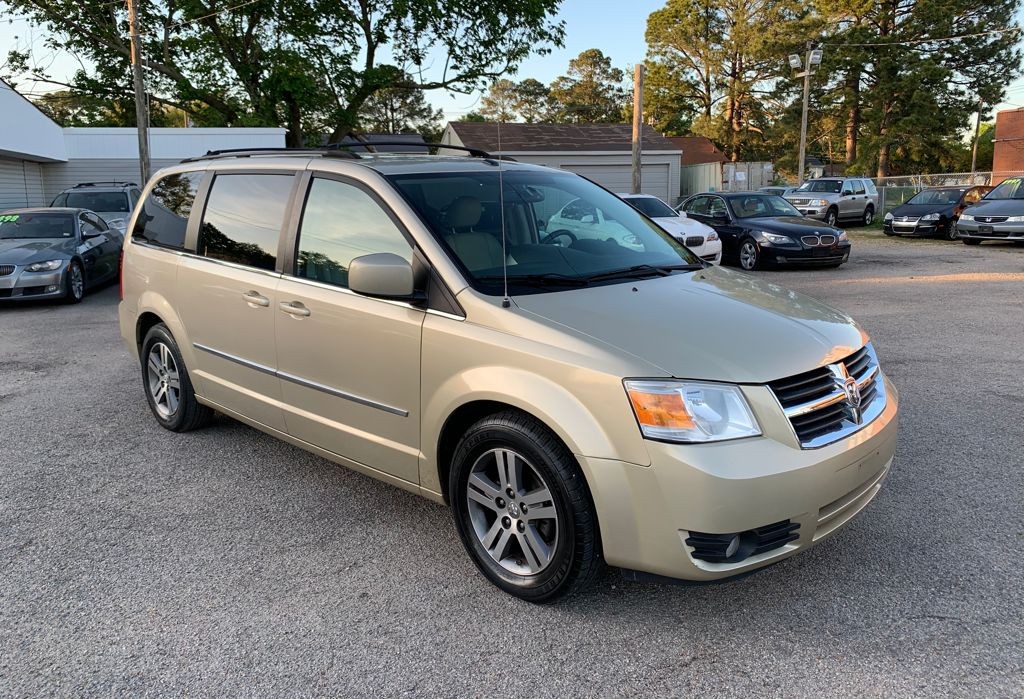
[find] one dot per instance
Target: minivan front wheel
(168, 386)
(522, 508)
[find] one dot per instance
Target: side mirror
(970, 203)
(589, 218)
(847, 192)
(721, 216)
(382, 275)
(88, 234)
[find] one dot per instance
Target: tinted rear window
(99, 201)
(164, 216)
(243, 219)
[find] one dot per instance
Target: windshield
(654, 208)
(98, 201)
(828, 186)
(560, 229)
(937, 196)
(757, 205)
(1008, 189)
(45, 225)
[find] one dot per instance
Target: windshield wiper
(545, 279)
(637, 271)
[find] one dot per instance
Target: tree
(309, 65)
(398, 110)
(472, 117)
(499, 102)
(590, 92)
(531, 100)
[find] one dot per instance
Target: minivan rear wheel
(522, 508)
(168, 386)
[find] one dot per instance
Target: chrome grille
(6, 270)
(819, 406)
(991, 219)
(800, 202)
(695, 241)
(812, 241)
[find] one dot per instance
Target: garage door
(619, 178)
(21, 184)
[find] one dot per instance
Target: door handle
(295, 309)
(255, 298)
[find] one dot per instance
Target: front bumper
(813, 212)
(647, 512)
(913, 228)
(990, 231)
(806, 257)
(24, 286)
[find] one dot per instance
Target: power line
(1006, 30)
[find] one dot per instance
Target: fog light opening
(733, 546)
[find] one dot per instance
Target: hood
(794, 225)
(22, 251)
(922, 209)
(714, 324)
(997, 207)
(683, 227)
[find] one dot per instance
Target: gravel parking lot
(224, 562)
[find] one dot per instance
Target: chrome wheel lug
(500, 502)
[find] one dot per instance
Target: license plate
(985, 230)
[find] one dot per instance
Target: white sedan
(700, 238)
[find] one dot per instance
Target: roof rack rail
(111, 183)
(328, 151)
(370, 146)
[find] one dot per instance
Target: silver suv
(113, 201)
(834, 199)
(575, 399)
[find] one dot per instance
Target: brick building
(1008, 155)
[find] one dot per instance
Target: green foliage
(400, 110)
(309, 65)
(591, 91)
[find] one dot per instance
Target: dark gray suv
(834, 199)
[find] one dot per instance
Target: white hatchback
(700, 238)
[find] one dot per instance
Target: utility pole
(977, 128)
(638, 123)
(141, 111)
(811, 58)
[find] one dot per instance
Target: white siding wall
(706, 177)
(21, 184)
(60, 176)
(659, 174)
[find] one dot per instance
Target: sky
(614, 27)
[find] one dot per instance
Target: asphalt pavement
(134, 561)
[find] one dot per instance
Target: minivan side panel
(149, 286)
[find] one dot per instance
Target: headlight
(691, 411)
(47, 266)
(966, 217)
(842, 236)
(1013, 219)
(713, 236)
(776, 239)
(819, 202)
(888, 216)
(930, 217)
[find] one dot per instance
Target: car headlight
(930, 217)
(712, 236)
(776, 238)
(842, 236)
(888, 216)
(1014, 219)
(691, 411)
(966, 217)
(47, 266)
(819, 202)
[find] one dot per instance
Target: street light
(813, 58)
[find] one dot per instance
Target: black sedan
(760, 229)
(55, 253)
(932, 212)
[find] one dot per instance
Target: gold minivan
(574, 396)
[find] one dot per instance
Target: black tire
(971, 241)
(831, 216)
(187, 413)
(869, 215)
(574, 544)
(74, 283)
(749, 255)
(951, 232)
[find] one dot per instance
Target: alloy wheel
(869, 216)
(163, 380)
(512, 512)
(951, 232)
(830, 217)
(76, 281)
(748, 255)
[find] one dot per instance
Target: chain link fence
(893, 191)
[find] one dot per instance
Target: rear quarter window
(163, 219)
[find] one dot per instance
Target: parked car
(758, 230)
(999, 215)
(835, 199)
(113, 201)
(55, 253)
(778, 190)
(700, 238)
(932, 211)
(573, 403)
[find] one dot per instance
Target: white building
(38, 158)
(600, 152)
